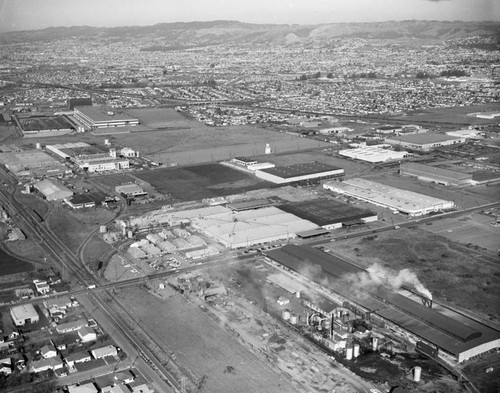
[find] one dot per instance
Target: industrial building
(32, 163)
(250, 227)
(53, 191)
(130, 190)
(329, 214)
(103, 117)
(407, 202)
(233, 229)
(456, 339)
(373, 154)
(435, 174)
(90, 158)
(469, 134)
(424, 141)
(306, 172)
(21, 315)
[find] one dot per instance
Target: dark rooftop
(326, 211)
(308, 168)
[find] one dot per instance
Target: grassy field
(455, 274)
(473, 229)
(486, 383)
(201, 181)
(95, 251)
(72, 227)
(200, 345)
(12, 265)
(454, 116)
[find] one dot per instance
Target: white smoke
(378, 276)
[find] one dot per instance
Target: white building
(103, 117)
(407, 202)
(373, 154)
(24, 314)
(424, 141)
(108, 350)
(309, 171)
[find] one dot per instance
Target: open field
(465, 197)
(113, 180)
(208, 144)
(486, 383)
(455, 274)
(201, 181)
(96, 253)
(200, 345)
(7, 134)
(72, 227)
(473, 229)
(11, 265)
(454, 116)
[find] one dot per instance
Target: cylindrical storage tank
(355, 351)
(38, 146)
(293, 319)
(28, 188)
(417, 373)
(297, 294)
(130, 234)
(106, 142)
(374, 343)
(348, 353)
(103, 229)
(285, 315)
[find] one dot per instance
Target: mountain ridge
(230, 31)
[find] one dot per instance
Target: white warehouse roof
(408, 202)
(241, 229)
(373, 154)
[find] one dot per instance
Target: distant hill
(168, 36)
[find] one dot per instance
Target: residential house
(46, 364)
(48, 351)
(86, 334)
(85, 388)
(71, 326)
(108, 350)
(77, 357)
(115, 389)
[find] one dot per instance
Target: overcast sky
(35, 14)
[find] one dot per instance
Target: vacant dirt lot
(455, 274)
(200, 345)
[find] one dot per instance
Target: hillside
(179, 35)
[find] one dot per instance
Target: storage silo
(348, 353)
(417, 373)
(355, 350)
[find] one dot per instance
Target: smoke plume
(392, 280)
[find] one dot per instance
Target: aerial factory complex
(226, 207)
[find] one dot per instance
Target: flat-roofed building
(21, 315)
(130, 190)
(32, 163)
(53, 191)
(435, 174)
(424, 141)
(329, 214)
(407, 202)
(249, 227)
(373, 154)
(309, 171)
(103, 117)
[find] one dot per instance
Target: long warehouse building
(461, 339)
(412, 203)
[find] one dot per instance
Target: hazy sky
(35, 14)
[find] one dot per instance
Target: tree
(329, 75)
(211, 82)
